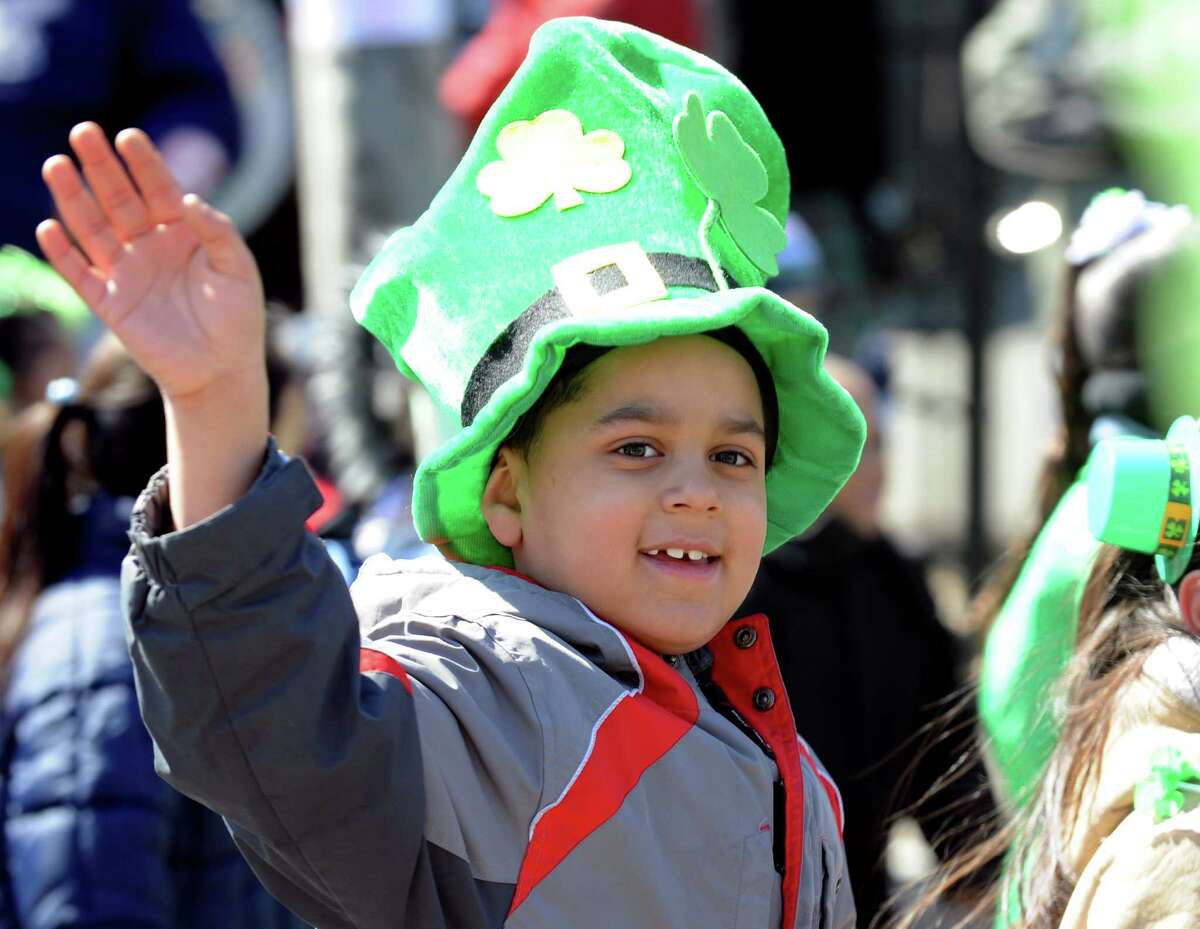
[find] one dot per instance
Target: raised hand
(174, 280)
(168, 274)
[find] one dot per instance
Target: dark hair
(570, 381)
(124, 443)
(27, 334)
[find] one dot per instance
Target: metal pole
(977, 296)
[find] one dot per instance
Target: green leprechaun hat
(1142, 495)
(621, 189)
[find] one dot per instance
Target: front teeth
(680, 554)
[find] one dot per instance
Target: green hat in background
(621, 189)
(28, 284)
(1142, 495)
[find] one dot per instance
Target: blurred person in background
(1045, 684)
(868, 666)
(365, 412)
(1120, 349)
(358, 443)
(1110, 834)
(484, 66)
(122, 62)
(39, 315)
(91, 836)
(373, 147)
(34, 350)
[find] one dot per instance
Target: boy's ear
(1189, 600)
(500, 505)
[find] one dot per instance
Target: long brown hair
(1096, 332)
(1062, 462)
(1126, 612)
(123, 442)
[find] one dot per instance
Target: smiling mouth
(681, 557)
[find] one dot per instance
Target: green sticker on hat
(551, 157)
(732, 176)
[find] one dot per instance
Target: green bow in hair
(1163, 793)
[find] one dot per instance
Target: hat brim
(1184, 431)
(821, 431)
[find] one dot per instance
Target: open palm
(166, 273)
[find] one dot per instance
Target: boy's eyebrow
(655, 415)
(636, 412)
(741, 425)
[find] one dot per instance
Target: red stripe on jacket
(831, 789)
(640, 729)
(371, 660)
(741, 671)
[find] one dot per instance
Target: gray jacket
(453, 746)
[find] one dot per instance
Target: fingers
(110, 185)
(80, 212)
(70, 263)
(226, 251)
(161, 194)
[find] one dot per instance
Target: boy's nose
(691, 488)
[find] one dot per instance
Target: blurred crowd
(937, 695)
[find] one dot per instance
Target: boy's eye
(731, 456)
(638, 450)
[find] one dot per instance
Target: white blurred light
(1029, 228)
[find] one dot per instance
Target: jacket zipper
(717, 699)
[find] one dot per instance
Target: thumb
(226, 252)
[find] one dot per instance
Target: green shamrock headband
(1142, 496)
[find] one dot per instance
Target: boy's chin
(672, 641)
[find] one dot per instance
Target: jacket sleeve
(246, 653)
(87, 825)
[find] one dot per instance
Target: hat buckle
(576, 282)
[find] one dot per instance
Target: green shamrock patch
(1174, 529)
(732, 176)
(1179, 488)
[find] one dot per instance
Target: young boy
(588, 742)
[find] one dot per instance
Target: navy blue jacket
(144, 63)
(92, 837)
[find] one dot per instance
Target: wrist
(234, 392)
(215, 442)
